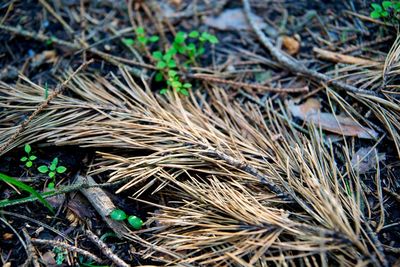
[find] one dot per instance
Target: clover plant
(52, 170)
(29, 158)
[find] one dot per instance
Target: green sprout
(388, 10)
(52, 170)
(60, 255)
(141, 38)
(120, 215)
(135, 222)
(188, 47)
(29, 158)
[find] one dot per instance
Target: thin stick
(59, 191)
(250, 170)
(106, 251)
(292, 64)
(250, 86)
(32, 256)
(67, 247)
(58, 17)
(44, 104)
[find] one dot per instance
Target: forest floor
(232, 133)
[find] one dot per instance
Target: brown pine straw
(215, 212)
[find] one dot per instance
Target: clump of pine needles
(243, 186)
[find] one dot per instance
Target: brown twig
(32, 256)
(105, 250)
(249, 86)
(58, 17)
(341, 58)
(292, 64)
(250, 170)
(67, 247)
(393, 194)
(101, 202)
(44, 104)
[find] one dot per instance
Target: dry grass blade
(291, 206)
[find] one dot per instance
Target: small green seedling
(141, 38)
(60, 255)
(135, 222)
(187, 47)
(29, 158)
(52, 170)
(120, 215)
(388, 10)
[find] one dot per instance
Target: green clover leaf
(61, 169)
(43, 169)
(27, 148)
(128, 41)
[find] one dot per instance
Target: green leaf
(157, 55)
(139, 30)
(172, 51)
(29, 164)
(43, 169)
(172, 73)
(376, 7)
(52, 174)
(182, 49)
(163, 91)
(161, 65)
(201, 51)
(375, 14)
(61, 169)
(194, 34)
(387, 4)
(55, 161)
(51, 185)
(142, 39)
(27, 148)
(176, 84)
(154, 38)
(52, 167)
(183, 91)
(27, 188)
(24, 159)
(385, 14)
(159, 77)
(167, 57)
(191, 47)
(128, 41)
(187, 85)
(135, 222)
(180, 38)
(171, 64)
(118, 215)
(213, 39)
(32, 157)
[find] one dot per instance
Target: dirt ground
(241, 133)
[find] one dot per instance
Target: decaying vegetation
(234, 179)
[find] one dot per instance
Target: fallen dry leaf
(339, 124)
(47, 56)
(290, 45)
(232, 19)
(364, 159)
